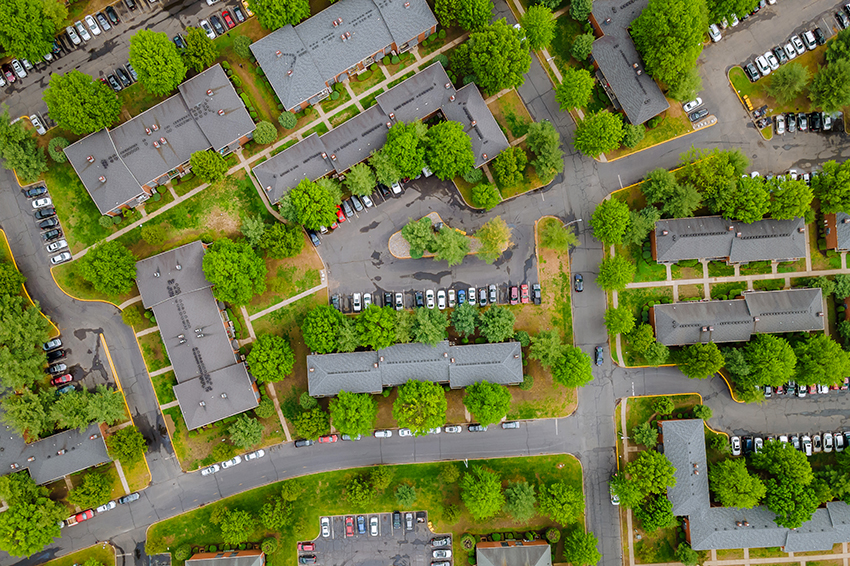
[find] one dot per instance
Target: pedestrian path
(282, 304)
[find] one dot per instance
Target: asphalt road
(589, 433)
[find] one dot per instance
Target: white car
(41, 202)
(383, 433)
(434, 430)
(211, 470)
(441, 299)
(399, 302)
(827, 442)
(355, 302)
(326, 527)
(404, 432)
(18, 68)
(211, 2)
(232, 462)
(396, 188)
(92, 25)
(367, 202)
(758, 444)
(736, 446)
(442, 553)
(453, 429)
(692, 105)
(367, 300)
(839, 442)
(779, 127)
(807, 445)
(789, 50)
(205, 25)
(761, 63)
(81, 29)
(470, 297)
(735, 20)
(106, 507)
(809, 40)
(429, 298)
(798, 44)
(373, 526)
(451, 298)
(771, 60)
(75, 39)
(255, 455)
(56, 246)
(714, 33)
(36, 123)
(510, 424)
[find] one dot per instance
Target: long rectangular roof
(731, 527)
(299, 61)
(736, 320)
(369, 372)
(842, 230)
(176, 271)
(513, 553)
(354, 140)
(227, 392)
(709, 237)
(228, 558)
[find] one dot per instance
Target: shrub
(373, 67)
(260, 71)
(254, 116)
(334, 95)
(287, 120)
(444, 61)
(652, 122)
(529, 536)
(396, 60)
(441, 34)
(106, 221)
(497, 537)
(236, 81)
(522, 337)
(386, 60)
(54, 148)
(473, 176)
(156, 197)
(553, 535)
(183, 552)
(527, 382)
(269, 545)
(117, 219)
(467, 541)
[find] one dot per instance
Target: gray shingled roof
(302, 161)
(717, 527)
(369, 372)
(406, 20)
(487, 137)
(514, 554)
(81, 452)
(842, 230)
(118, 186)
(357, 138)
(230, 391)
(788, 310)
(421, 95)
(615, 53)
(172, 280)
(713, 237)
(227, 558)
(221, 129)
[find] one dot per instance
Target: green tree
(353, 413)
(28, 413)
(826, 285)
(245, 432)
(838, 48)
(719, 9)
(832, 186)
(236, 525)
(655, 513)
(312, 424)
(573, 368)
(470, 15)
(348, 338)
(403, 326)
(273, 14)
(271, 358)
(683, 202)
(748, 202)
(448, 150)
(496, 324)
(105, 406)
(71, 410)
(687, 555)
(127, 445)
(55, 147)
(406, 148)
(313, 205)
(580, 547)
(488, 402)
(830, 88)
(235, 270)
(558, 237)
(669, 37)
(281, 241)
(31, 521)
(598, 133)
(788, 81)
(19, 149)
(783, 462)
(481, 492)
(465, 319)
(450, 245)
(733, 486)
(651, 473)
(495, 238)
(242, 47)
(287, 120)
(385, 168)
(663, 405)
(626, 491)
(703, 412)
(359, 491)
(790, 199)
(656, 354)
(95, 490)
(498, 56)
(208, 165)
(641, 337)
(793, 503)
(579, 11)
(699, 361)
(265, 133)
(429, 326)
(645, 434)
(360, 180)
(22, 333)
(110, 268)
(81, 104)
(157, 61)
(633, 134)
(713, 172)
(27, 28)
(545, 142)
(486, 196)
(276, 514)
(539, 26)
(615, 273)
(641, 223)
(842, 286)
(575, 89)
(376, 327)
(771, 360)
(320, 328)
(333, 188)
(405, 495)
(520, 501)
(200, 51)
(420, 406)
(658, 185)
(509, 167)
(820, 360)
(419, 234)
(687, 86)
(561, 502)
(546, 347)
(582, 46)
(610, 221)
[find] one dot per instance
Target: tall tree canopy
(481, 492)
(420, 406)
(19, 149)
(320, 329)
(830, 88)
(271, 358)
(610, 221)
(700, 361)
(575, 89)
(832, 186)
(273, 14)
(200, 51)
(22, 333)
(448, 150)
(820, 359)
(313, 205)
(353, 413)
(81, 104)
(488, 402)
(538, 23)
(27, 27)
(32, 520)
(109, 267)
(469, 14)
(598, 133)
(498, 57)
(235, 270)
(157, 61)
(376, 326)
(734, 486)
(405, 147)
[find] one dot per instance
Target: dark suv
(820, 38)
(43, 213)
(55, 355)
(396, 520)
(752, 72)
(418, 299)
(49, 223)
(816, 121)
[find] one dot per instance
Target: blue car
(361, 524)
(461, 297)
(65, 389)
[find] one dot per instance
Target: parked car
(361, 524)
(827, 439)
(306, 546)
(112, 15)
(816, 443)
(49, 223)
(441, 299)
(65, 389)
(698, 115)
(438, 542)
(792, 122)
(418, 299)
(303, 443)
(106, 507)
(453, 429)
(52, 344)
(408, 521)
(842, 20)
(471, 297)
(35, 191)
(255, 455)
(356, 306)
(57, 368)
(178, 41)
(328, 439)
(205, 25)
(373, 526)
(461, 296)
(84, 516)
(692, 105)
(442, 553)
(81, 29)
(820, 37)
(228, 21)
(578, 282)
(781, 55)
(396, 188)
(210, 470)
(216, 24)
(383, 433)
(130, 498)
(839, 442)
(482, 296)
(236, 460)
(771, 60)
(494, 294)
(452, 301)
(18, 68)
(477, 428)
(237, 12)
(42, 202)
(514, 292)
(816, 122)
(736, 446)
(789, 50)
(523, 293)
(95, 29)
(752, 72)
(536, 291)
(314, 238)
(399, 301)
(326, 527)
(405, 432)
(779, 124)
(799, 47)
(599, 355)
(56, 260)
(339, 214)
(347, 437)
(43, 213)
(802, 122)
(429, 298)
(807, 445)
(72, 35)
(714, 33)
(367, 202)
(510, 424)
(113, 82)
(346, 207)
(104, 23)
(36, 123)
(349, 526)
(758, 444)
(62, 379)
(132, 72)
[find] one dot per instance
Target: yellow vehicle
(247, 9)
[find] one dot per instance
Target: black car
(55, 355)
(132, 72)
(385, 190)
(748, 444)
(131, 4)
(418, 299)
(216, 24)
(57, 49)
(113, 82)
(842, 20)
(535, 292)
(816, 121)
(123, 77)
(112, 15)
(396, 520)
(820, 38)
(780, 55)
(388, 299)
(599, 355)
(49, 223)
(36, 191)
(45, 212)
(335, 302)
(303, 442)
(237, 11)
(752, 72)
(51, 235)
(307, 559)
(802, 122)
(698, 114)
(314, 238)
(178, 41)
(578, 282)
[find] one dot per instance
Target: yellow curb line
(24, 287)
(741, 100)
(78, 298)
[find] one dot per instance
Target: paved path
(282, 304)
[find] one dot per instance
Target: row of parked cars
(443, 298)
(818, 442)
(355, 204)
(45, 217)
(235, 461)
(791, 388)
(403, 432)
(218, 24)
(796, 46)
(792, 122)
(714, 29)
(89, 513)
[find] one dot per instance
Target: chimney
(289, 73)
(324, 155)
(711, 329)
(148, 131)
(448, 85)
(339, 20)
(312, 369)
(389, 124)
(801, 229)
(407, 4)
(102, 179)
(335, 23)
(639, 72)
(705, 329)
(348, 35)
(607, 21)
(375, 365)
(664, 232)
(209, 92)
(162, 141)
(845, 220)
(221, 112)
(392, 115)
(484, 156)
(746, 523)
(381, 358)
(452, 360)
(445, 354)
(156, 144)
(90, 158)
(737, 234)
(473, 123)
(730, 228)
(756, 319)
(154, 127)
(333, 157)
(342, 37)
(268, 188)
(739, 524)
(452, 98)
(278, 53)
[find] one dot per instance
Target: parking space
(807, 442)
(375, 540)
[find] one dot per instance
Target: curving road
(589, 433)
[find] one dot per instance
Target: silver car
(211, 470)
(779, 124)
(81, 29)
(36, 123)
(761, 63)
(207, 29)
(75, 39)
(61, 258)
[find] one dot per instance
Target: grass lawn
(720, 269)
(657, 547)
(730, 554)
(324, 490)
(186, 184)
(756, 268)
(768, 284)
(511, 114)
(135, 100)
(137, 475)
(405, 60)
(688, 269)
(68, 279)
(766, 552)
(77, 211)
(465, 190)
(400, 79)
(369, 100)
(344, 115)
(162, 386)
(690, 292)
(647, 268)
(153, 351)
(822, 259)
(566, 30)
(102, 552)
(145, 322)
(640, 409)
(328, 105)
(319, 128)
(794, 266)
(288, 277)
(673, 124)
(365, 81)
(288, 144)
(434, 42)
(152, 205)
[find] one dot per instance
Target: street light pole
(572, 222)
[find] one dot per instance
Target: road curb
(78, 298)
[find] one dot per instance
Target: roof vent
(324, 156)
(90, 158)
(154, 127)
(484, 155)
(452, 360)
(333, 157)
(156, 273)
(202, 404)
(312, 369)
(452, 98)
(407, 4)
(348, 35)
(148, 131)
(639, 72)
(221, 112)
(696, 472)
(178, 267)
(448, 85)
(392, 115)
(156, 144)
(278, 53)
(739, 524)
(737, 234)
(224, 395)
(209, 92)
(664, 232)
(445, 354)
(845, 220)
(289, 73)
(102, 179)
(162, 141)
(375, 365)
(389, 124)
(820, 314)
(801, 229)
(705, 329)
(381, 358)
(268, 188)
(342, 37)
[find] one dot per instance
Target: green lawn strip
(400, 79)
(288, 144)
(671, 126)
(369, 100)
(647, 268)
(640, 299)
(530, 182)
(320, 129)
(768, 284)
(822, 258)
(720, 269)
(153, 351)
(756, 268)
(284, 279)
(724, 291)
(640, 409)
(239, 327)
(344, 115)
(329, 104)
(511, 114)
(68, 278)
(774, 552)
(365, 81)
(691, 293)
(830, 315)
(146, 323)
(405, 60)
(566, 30)
(794, 266)
(687, 269)
(324, 499)
(465, 189)
(162, 386)
(101, 552)
(285, 319)
(186, 184)
(176, 425)
(136, 473)
(730, 554)
(434, 42)
(631, 195)
(76, 209)
(656, 547)
(165, 197)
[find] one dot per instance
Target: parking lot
(396, 546)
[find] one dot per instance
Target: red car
(349, 526)
(67, 378)
(339, 214)
(87, 514)
(328, 439)
(228, 20)
(524, 292)
(10, 76)
(514, 295)
(306, 546)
